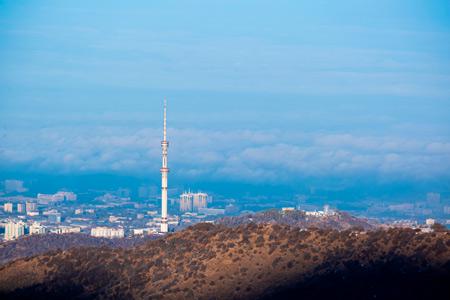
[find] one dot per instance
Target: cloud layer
(244, 155)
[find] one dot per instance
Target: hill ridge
(245, 262)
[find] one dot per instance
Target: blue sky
(259, 91)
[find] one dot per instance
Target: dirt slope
(246, 262)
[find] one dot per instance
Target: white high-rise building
(37, 228)
(186, 202)
(8, 207)
(20, 208)
(200, 201)
(107, 232)
(190, 202)
(30, 206)
(14, 230)
(164, 174)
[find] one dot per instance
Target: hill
(338, 220)
(32, 245)
(266, 261)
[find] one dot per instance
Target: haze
(347, 97)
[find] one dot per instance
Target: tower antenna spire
(165, 119)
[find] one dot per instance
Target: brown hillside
(246, 262)
(297, 218)
(33, 245)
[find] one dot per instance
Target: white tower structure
(164, 173)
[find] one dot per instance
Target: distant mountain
(38, 244)
(266, 261)
(337, 220)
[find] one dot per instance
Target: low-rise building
(322, 213)
(107, 232)
(37, 228)
(285, 209)
(430, 222)
(66, 229)
(138, 231)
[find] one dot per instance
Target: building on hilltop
(66, 229)
(107, 232)
(430, 222)
(286, 209)
(326, 212)
(143, 231)
(37, 228)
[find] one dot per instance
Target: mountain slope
(246, 262)
(297, 218)
(38, 244)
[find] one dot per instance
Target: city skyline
(355, 105)
(309, 149)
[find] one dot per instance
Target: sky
(326, 94)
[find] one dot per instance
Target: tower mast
(164, 173)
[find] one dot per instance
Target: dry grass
(209, 261)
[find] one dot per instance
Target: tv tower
(164, 173)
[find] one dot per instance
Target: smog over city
(225, 149)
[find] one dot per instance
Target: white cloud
(234, 154)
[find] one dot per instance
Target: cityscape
(216, 150)
(121, 213)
